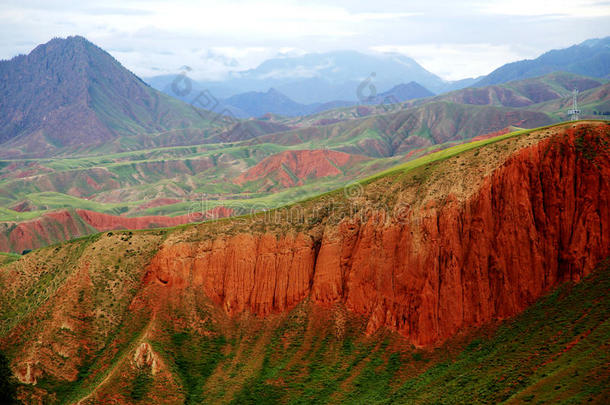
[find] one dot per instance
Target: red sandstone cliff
(454, 261)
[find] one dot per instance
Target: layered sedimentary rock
(453, 261)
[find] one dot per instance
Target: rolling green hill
(128, 168)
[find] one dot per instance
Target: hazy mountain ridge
(589, 58)
(321, 78)
(257, 104)
(315, 82)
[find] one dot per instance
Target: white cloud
(215, 36)
(458, 61)
(258, 18)
(296, 72)
(546, 8)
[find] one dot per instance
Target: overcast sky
(450, 38)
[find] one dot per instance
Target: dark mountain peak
(407, 91)
(589, 58)
(596, 42)
(257, 103)
(279, 97)
(410, 86)
(70, 93)
(73, 45)
(271, 94)
(71, 61)
(274, 92)
(72, 40)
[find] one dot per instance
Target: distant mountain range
(257, 104)
(589, 58)
(68, 97)
(336, 75)
(311, 83)
(320, 78)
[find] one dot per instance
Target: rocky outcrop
(28, 373)
(145, 358)
(539, 219)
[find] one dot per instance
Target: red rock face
(245, 272)
(48, 229)
(302, 164)
(541, 218)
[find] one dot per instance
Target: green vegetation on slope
(549, 353)
(6, 258)
(552, 353)
(123, 182)
(8, 385)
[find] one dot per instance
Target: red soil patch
(24, 206)
(159, 202)
(302, 164)
(63, 225)
(489, 135)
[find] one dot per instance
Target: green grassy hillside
(154, 180)
(554, 352)
(80, 311)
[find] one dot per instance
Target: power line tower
(574, 112)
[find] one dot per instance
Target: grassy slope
(318, 356)
(252, 201)
(169, 172)
(551, 353)
(555, 352)
(136, 172)
(6, 258)
(245, 202)
(140, 178)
